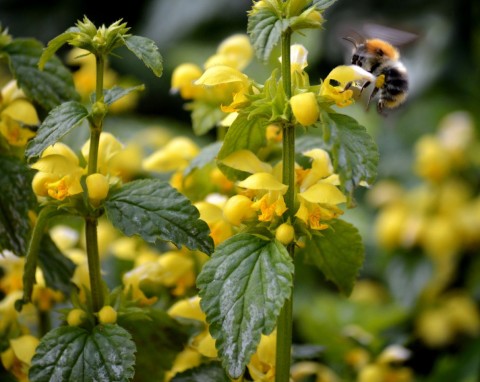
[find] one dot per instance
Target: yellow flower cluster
(18, 117)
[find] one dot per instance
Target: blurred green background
(444, 67)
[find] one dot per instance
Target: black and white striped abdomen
(395, 87)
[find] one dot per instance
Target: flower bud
(285, 233)
(97, 186)
(183, 79)
(305, 108)
(237, 209)
(107, 315)
(76, 317)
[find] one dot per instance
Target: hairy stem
(284, 321)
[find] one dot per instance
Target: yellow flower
(235, 51)
(16, 115)
(183, 78)
(322, 373)
(305, 108)
(262, 363)
(268, 192)
(238, 209)
(17, 358)
(97, 186)
(298, 58)
(175, 155)
(220, 228)
(334, 86)
(318, 194)
(432, 161)
(190, 308)
(58, 173)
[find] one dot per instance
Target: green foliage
(54, 45)
(56, 268)
(16, 200)
(338, 252)
(243, 287)
(147, 51)
(154, 210)
(206, 156)
(59, 122)
(205, 116)
(50, 87)
(244, 134)
(158, 338)
(353, 151)
(68, 353)
(117, 92)
(212, 371)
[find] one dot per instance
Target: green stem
(284, 321)
(94, 270)
(91, 221)
(32, 252)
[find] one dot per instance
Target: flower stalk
(91, 221)
(284, 321)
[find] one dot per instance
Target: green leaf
(205, 116)
(265, 30)
(244, 134)
(57, 269)
(243, 287)
(147, 51)
(59, 122)
(74, 354)
(211, 371)
(158, 338)
(54, 45)
(49, 87)
(116, 92)
(338, 252)
(154, 210)
(206, 156)
(16, 199)
(353, 151)
(321, 5)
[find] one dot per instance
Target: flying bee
(381, 58)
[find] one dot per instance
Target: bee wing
(394, 36)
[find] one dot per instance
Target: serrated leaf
(353, 151)
(206, 156)
(49, 87)
(147, 51)
(74, 354)
(57, 269)
(59, 122)
(338, 252)
(243, 134)
(205, 116)
(243, 287)
(54, 45)
(16, 200)
(158, 338)
(116, 92)
(211, 371)
(265, 30)
(154, 210)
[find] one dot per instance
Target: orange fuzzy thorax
(375, 46)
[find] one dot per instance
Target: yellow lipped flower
(305, 108)
(220, 228)
(17, 358)
(268, 192)
(319, 195)
(175, 155)
(16, 115)
(58, 173)
(335, 86)
(235, 51)
(183, 78)
(262, 363)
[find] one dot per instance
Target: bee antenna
(351, 40)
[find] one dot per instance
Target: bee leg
(373, 94)
(365, 85)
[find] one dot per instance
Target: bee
(381, 58)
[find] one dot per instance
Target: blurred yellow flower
(17, 115)
(175, 155)
(17, 358)
(262, 363)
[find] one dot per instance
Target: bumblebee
(382, 59)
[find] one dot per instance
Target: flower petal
(323, 193)
(245, 160)
(263, 181)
